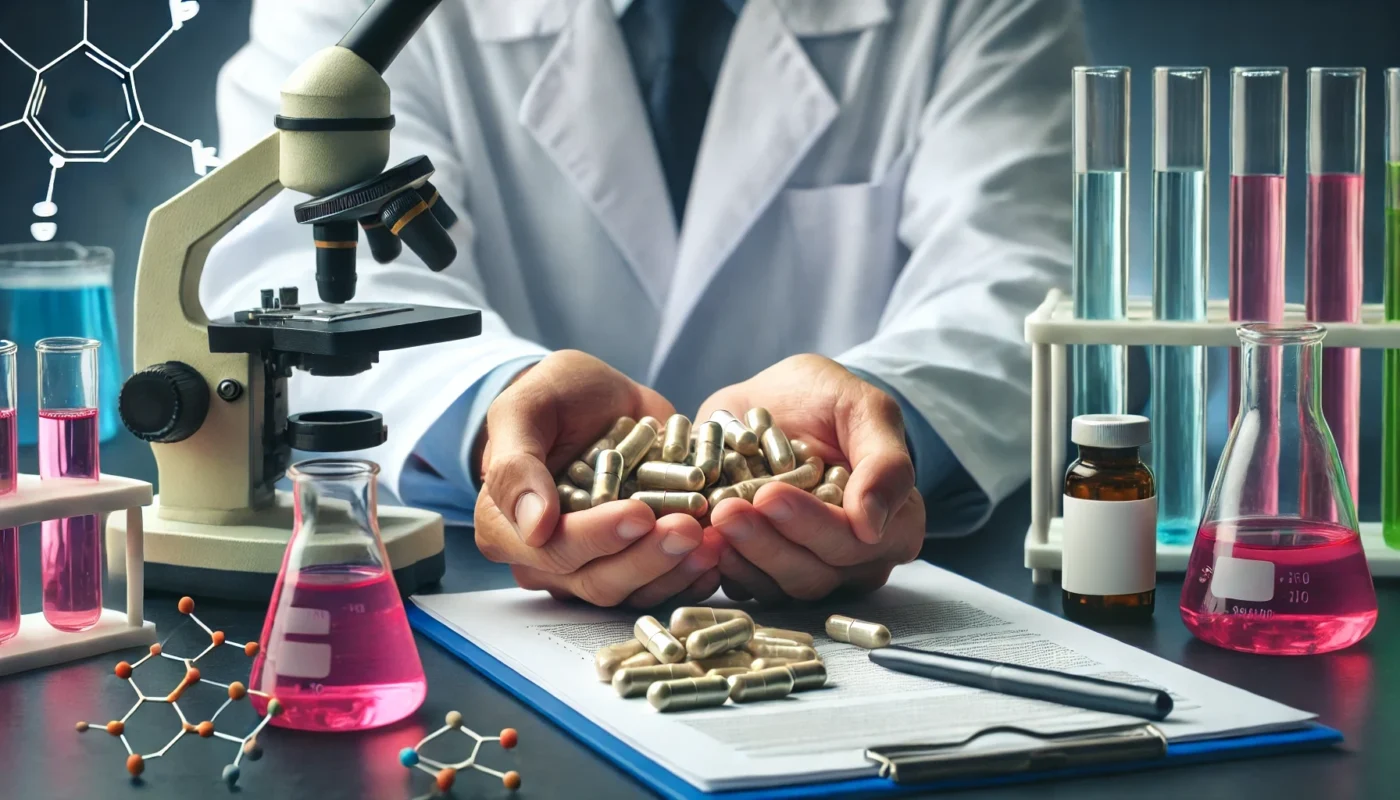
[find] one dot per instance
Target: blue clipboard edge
(669, 785)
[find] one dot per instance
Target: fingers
(703, 589)
(521, 425)
(611, 580)
(578, 539)
(744, 581)
(797, 571)
(701, 561)
(732, 588)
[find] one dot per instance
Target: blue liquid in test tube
(1180, 234)
(1100, 275)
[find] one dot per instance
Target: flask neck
(334, 494)
(1280, 376)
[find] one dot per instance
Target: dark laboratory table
(41, 756)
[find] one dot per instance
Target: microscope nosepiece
(336, 246)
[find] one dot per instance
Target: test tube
(1390, 462)
(9, 478)
(68, 437)
(1336, 184)
(1100, 232)
(1180, 232)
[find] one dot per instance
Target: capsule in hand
(633, 682)
(736, 467)
(599, 446)
(683, 695)
(689, 619)
(719, 638)
(758, 420)
(608, 660)
(633, 448)
(658, 641)
(758, 466)
(870, 635)
(768, 684)
(829, 493)
(670, 477)
(607, 477)
(581, 474)
(736, 434)
(709, 450)
(580, 500)
(692, 503)
(807, 675)
(676, 444)
(837, 476)
(806, 476)
(778, 450)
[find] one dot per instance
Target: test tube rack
(38, 644)
(1052, 328)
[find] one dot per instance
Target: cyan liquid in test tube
(1180, 235)
(1100, 231)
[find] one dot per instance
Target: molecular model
(446, 774)
(87, 76)
(248, 745)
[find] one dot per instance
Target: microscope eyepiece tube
(407, 217)
(383, 30)
(336, 246)
(384, 245)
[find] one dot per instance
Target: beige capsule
(801, 450)
(634, 447)
(689, 619)
(653, 455)
(692, 503)
(837, 475)
(761, 648)
(719, 638)
(690, 693)
(725, 672)
(733, 658)
(722, 493)
(735, 466)
(806, 476)
(770, 663)
(610, 659)
(807, 675)
(565, 491)
(653, 423)
(870, 635)
(747, 489)
(598, 447)
(778, 450)
(783, 633)
(758, 420)
(642, 659)
(633, 681)
(709, 450)
(676, 441)
(768, 684)
(770, 639)
(736, 434)
(619, 430)
(581, 475)
(830, 493)
(758, 466)
(672, 477)
(580, 500)
(607, 477)
(658, 641)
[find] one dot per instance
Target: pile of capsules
(711, 655)
(677, 468)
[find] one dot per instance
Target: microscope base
(241, 562)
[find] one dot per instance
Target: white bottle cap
(1110, 430)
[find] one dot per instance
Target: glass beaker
(60, 289)
(1277, 566)
(9, 478)
(336, 650)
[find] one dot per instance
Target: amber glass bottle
(1109, 568)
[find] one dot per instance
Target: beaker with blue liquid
(59, 289)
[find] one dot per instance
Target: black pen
(1037, 684)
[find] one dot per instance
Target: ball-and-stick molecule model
(247, 745)
(446, 774)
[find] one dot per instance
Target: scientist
(841, 211)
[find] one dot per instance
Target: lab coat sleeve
(986, 220)
(411, 387)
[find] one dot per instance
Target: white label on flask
(303, 660)
(1110, 546)
(1243, 579)
(305, 621)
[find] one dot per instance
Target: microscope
(211, 395)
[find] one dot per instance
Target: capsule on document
(761, 648)
(769, 663)
(607, 477)
(758, 420)
(736, 434)
(719, 638)
(633, 682)
(692, 503)
(768, 684)
(658, 641)
(599, 446)
(764, 631)
(807, 675)
(609, 660)
(830, 493)
(837, 476)
(635, 446)
(778, 450)
(870, 635)
(689, 619)
(733, 658)
(770, 639)
(709, 450)
(758, 466)
(806, 476)
(642, 659)
(676, 445)
(736, 466)
(725, 672)
(683, 695)
(672, 477)
(581, 474)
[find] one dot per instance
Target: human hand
(787, 544)
(618, 553)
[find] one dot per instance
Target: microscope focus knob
(164, 402)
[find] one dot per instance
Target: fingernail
(878, 511)
(676, 544)
(780, 510)
(528, 510)
(737, 528)
(630, 529)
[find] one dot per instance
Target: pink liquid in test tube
(9, 537)
(72, 547)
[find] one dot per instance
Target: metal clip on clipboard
(921, 763)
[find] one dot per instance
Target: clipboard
(903, 769)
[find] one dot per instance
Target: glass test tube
(68, 437)
(1180, 233)
(1336, 183)
(1100, 231)
(9, 478)
(1390, 462)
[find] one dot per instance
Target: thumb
(882, 474)
(520, 426)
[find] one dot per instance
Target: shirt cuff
(438, 476)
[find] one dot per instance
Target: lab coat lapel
(584, 110)
(769, 108)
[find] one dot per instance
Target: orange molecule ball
(135, 764)
(511, 780)
(237, 691)
(116, 727)
(186, 605)
(205, 729)
(445, 778)
(250, 649)
(217, 636)
(155, 649)
(123, 670)
(509, 738)
(192, 675)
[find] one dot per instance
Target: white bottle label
(1110, 546)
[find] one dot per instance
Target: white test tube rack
(40, 645)
(1052, 328)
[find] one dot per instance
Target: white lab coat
(885, 182)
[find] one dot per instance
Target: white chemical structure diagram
(110, 97)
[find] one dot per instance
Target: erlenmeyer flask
(1277, 566)
(336, 649)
